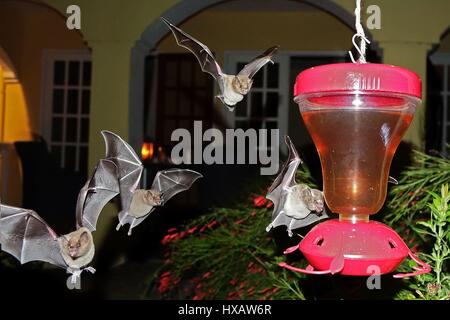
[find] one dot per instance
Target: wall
(112, 29)
(260, 30)
(26, 30)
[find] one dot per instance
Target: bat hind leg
(133, 224)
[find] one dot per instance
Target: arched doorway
(179, 13)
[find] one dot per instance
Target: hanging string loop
(359, 34)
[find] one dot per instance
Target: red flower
(212, 224)
(269, 205)
(264, 290)
(171, 230)
(192, 230)
(259, 201)
(253, 213)
(206, 275)
(164, 282)
(239, 221)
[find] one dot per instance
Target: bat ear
(84, 238)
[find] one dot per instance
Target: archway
(177, 14)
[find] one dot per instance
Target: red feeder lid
(369, 77)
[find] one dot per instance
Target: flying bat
(233, 88)
(26, 236)
(295, 205)
(137, 204)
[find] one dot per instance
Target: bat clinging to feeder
(26, 236)
(137, 204)
(233, 88)
(295, 205)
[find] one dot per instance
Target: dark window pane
(86, 102)
(200, 77)
(241, 108)
(56, 154)
(59, 72)
(74, 73)
(200, 103)
(169, 127)
(87, 67)
(272, 75)
(448, 107)
(448, 77)
(57, 129)
(257, 104)
(239, 67)
(83, 160)
(272, 104)
(255, 124)
(58, 100)
(171, 74)
(258, 78)
(271, 125)
(70, 157)
(71, 129)
(186, 74)
(72, 101)
(170, 102)
(242, 124)
(186, 124)
(185, 102)
(84, 131)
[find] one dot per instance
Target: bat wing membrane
(173, 181)
(26, 236)
(257, 63)
(129, 166)
(96, 193)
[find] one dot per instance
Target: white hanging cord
(359, 33)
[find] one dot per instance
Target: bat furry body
(233, 88)
(26, 236)
(137, 204)
(295, 205)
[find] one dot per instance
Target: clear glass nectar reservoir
(356, 115)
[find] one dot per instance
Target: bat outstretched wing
(173, 181)
(26, 236)
(129, 166)
(96, 193)
(292, 201)
(168, 183)
(204, 56)
(257, 63)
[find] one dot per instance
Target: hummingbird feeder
(356, 114)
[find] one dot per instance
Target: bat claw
(118, 226)
(129, 231)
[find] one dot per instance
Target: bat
(137, 204)
(232, 88)
(295, 205)
(27, 237)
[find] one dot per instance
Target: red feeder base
(357, 249)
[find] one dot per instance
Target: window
(266, 105)
(184, 95)
(270, 103)
(438, 77)
(66, 108)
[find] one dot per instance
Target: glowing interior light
(147, 150)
